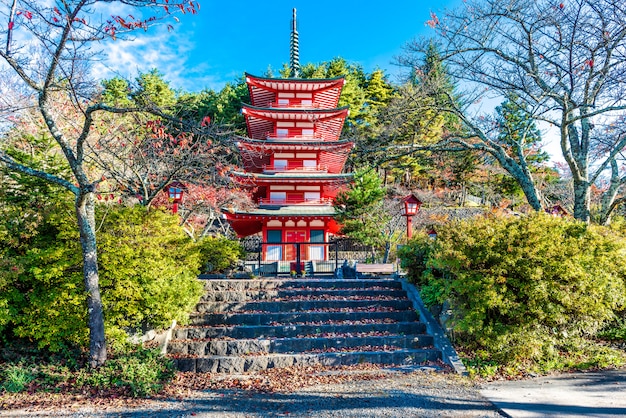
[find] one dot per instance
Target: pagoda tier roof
(327, 122)
(264, 90)
(251, 222)
(245, 143)
(256, 154)
(291, 177)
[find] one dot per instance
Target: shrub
(219, 254)
(16, 377)
(148, 276)
(148, 269)
(525, 288)
(413, 257)
(141, 372)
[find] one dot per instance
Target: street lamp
(175, 191)
(411, 207)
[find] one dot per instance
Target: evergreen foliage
(359, 208)
(523, 290)
(148, 272)
(219, 254)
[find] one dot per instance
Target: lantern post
(175, 192)
(411, 207)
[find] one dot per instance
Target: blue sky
(227, 38)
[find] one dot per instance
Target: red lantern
(411, 207)
(175, 191)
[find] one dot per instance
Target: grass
(136, 372)
(573, 354)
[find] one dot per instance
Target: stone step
(241, 364)
(296, 306)
(298, 317)
(194, 348)
(273, 284)
(308, 293)
(290, 331)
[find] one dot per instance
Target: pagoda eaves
(270, 92)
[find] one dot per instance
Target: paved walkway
(590, 394)
(583, 394)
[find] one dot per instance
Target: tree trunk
(609, 196)
(85, 213)
(532, 195)
(582, 200)
(387, 251)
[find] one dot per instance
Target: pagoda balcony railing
(297, 136)
(294, 105)
(324, 201)
(281, 169)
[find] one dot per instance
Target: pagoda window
(278, 197)
(274, 252)
(310, 165)
(282, 133)
(283, 102)
(316, 252)
(307, 102)
(280, 165)
(307, 133)
(311, 197)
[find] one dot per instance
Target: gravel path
(420, 394)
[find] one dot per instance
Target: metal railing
(296, 135)
(295, 201)
(281, 169)
(300, 259)
(279, 105)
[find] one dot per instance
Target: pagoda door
(294, 235)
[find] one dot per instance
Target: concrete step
(298, 317)
(231, 285)
(290, 331)
(240, 364)
(249, 325)
(195, 348)
(303, 293)
(295, 306)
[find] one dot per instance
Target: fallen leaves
(286, 379)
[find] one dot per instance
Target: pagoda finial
(294, 55)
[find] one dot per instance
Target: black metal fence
(299, 259)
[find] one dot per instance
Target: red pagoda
(293, 159)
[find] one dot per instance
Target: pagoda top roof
(295, 84)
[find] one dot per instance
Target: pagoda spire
(294, 53)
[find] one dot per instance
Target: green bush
(148, 277)
(16, 377)
(148, 269)
(136, 372)
(413, 257)
(141, 372)
(525, 289)
(219, 254)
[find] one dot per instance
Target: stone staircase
(251, 325)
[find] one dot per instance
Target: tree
(518, 130)
(57, 85)
(437, 106)
(141, 153)
(564, 61)
(365, 214)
